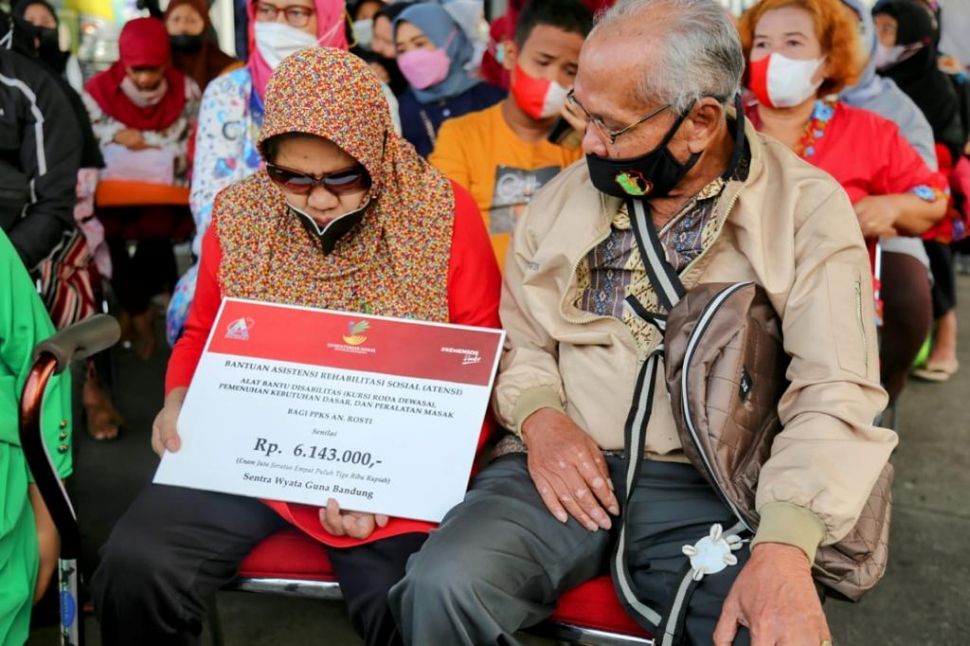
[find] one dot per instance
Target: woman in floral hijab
(345, 216)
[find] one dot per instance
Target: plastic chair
(292, 564)
(52, 357)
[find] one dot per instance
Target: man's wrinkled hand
(569, 470)
(775, 597)
(355, 524)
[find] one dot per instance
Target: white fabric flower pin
(712, 553)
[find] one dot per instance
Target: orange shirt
(501, 171)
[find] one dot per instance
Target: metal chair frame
(330, 591)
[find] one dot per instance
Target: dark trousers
(500, 561)
(908, 317)
(174, 548)
(944, 277)
(152, 269)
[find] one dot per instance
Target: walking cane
(51, 357)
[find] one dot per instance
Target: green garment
(23, 323)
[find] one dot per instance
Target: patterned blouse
(230, 117)
(175, 137)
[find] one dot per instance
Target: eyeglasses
(596, 121)
(296, 15)
(340, 182)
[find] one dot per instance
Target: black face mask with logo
(653, 174)
(187, 43)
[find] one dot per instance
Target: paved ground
(925, 598)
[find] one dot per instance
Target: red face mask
(538, 98)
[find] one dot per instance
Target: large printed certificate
(302, 405)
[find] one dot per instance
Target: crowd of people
(386, 158)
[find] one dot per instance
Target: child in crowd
(502, 154)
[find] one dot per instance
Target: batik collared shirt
(614, 269)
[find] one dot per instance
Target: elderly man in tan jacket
(657, 80)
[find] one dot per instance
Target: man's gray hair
(701, 53)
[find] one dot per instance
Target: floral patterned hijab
(394, 260)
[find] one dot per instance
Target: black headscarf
(919, 75)
(48, 48)
(23, 42)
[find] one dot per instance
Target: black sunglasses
(339, 182)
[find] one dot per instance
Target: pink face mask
(423, 68)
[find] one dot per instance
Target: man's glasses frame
(612, 134)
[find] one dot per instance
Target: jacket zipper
(862, 323)
(709, 311)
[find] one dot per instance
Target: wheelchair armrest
(81, 340)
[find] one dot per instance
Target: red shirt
(866, 154)
(474, 285)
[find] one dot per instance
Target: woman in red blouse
(346, 216)
(801, 53)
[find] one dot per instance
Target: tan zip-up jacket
(791, 229)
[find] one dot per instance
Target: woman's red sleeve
(903, 170)
(474, 279)
(202, 314)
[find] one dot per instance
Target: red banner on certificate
(355, 342)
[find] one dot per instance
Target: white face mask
(275, 41)
(364, 32)
(790, 81)
(887, 56)
(555, 100)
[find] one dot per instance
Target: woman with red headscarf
(194, 52)
(143, 111)
(142, 101)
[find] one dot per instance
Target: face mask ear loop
(347, 19)
(341, 23)
(445, 45)
(677, 124)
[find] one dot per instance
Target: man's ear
(705, 118)
(510, 51)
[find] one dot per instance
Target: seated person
(432, 51)
(143, 111)
(501, 154)
(380, 53)
(42, 15)
(800, 53)
(418, 250)
(195, 52)
(231, 115)
(39, 157)
(142, 102)
(73, 270)
(29, 543)
(362, 14)
(727, 205)
(908, 55)
(882, 96)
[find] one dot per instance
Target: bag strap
(669, 289)
(663, 277)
